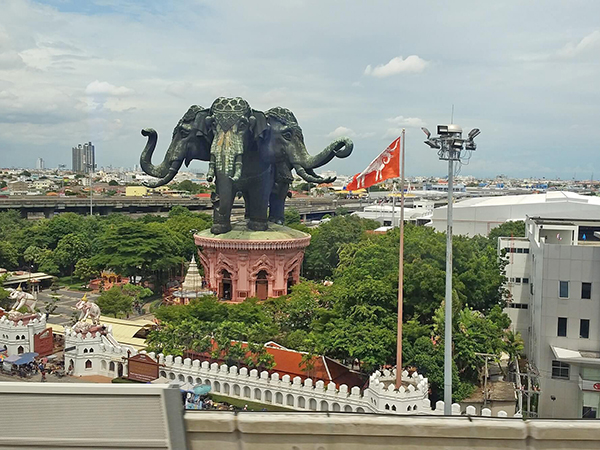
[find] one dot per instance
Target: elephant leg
(259, 203)
(277, 202)
(222, 207)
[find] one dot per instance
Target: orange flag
(385, 166)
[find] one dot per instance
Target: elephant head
(191, 140)
(235, 127)
(287, 143)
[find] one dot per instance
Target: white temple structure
(191, 287)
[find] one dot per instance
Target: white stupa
(192, 284)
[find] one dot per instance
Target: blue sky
(524, 72)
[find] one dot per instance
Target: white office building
(388, 215)
(554, 301)
(480, 215)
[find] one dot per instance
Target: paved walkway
(52, 378)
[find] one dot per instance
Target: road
(66, 305)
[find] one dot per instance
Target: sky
(527, 73)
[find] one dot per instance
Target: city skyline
(517, 71)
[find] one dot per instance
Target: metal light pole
(91, 168)
(450, 145)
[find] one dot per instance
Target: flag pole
(400, 271)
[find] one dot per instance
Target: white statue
(88, 309)
(22, 299)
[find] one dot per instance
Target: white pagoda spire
(193, 279)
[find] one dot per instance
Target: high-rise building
(554, 301)
(39, 164)
(84, 158)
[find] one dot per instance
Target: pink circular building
(244, 263)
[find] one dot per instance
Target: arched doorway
(225, 288)
(120, 370)
(262, 285)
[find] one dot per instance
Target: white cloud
(11, 60)
(105, 89)
(400, 122)
(348, 132)
(7, 95)
(179, 89)
(412, 64)
(590, 41)
(406, 122)
(341, 131)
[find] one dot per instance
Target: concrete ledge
(565, 430)
(378, 425)
(210, 422)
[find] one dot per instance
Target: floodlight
(442, 129)
(454, 129)
(470, 145)
(474, 133)
(432, 144)
(426, 131)
(458, 143)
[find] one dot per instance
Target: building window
(518, 305)
(525, 250)
(560, 370)
(525, 280)
(518, 280)
(88, 364)
(563, 291)
(589, 412)
(562, 327)
(586, 290)
(519, 250)
(584, 328)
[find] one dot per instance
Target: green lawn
(73, 283)
(252, 406)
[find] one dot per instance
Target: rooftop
(528, 199)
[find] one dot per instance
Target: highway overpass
(34, 207)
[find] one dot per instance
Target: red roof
(289, 362)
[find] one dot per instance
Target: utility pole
(486, 374)
(450, 146)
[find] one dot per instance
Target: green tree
(5, 302)
(507, 229)
(292, 216)
(114, 302)
(113, 183)
(9, 258)
(51, 305)
(138, 249)
(84, 270)
(70, 249)
(191, 187)
(321, 256)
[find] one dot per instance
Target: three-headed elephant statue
(248, 151)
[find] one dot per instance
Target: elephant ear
(204, 134)
(259, 124)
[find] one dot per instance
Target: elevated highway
(34, 207)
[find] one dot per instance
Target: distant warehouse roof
(24, 277)
(480, 215)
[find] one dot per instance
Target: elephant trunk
(341, 148)
(227, 148)
(170, 165)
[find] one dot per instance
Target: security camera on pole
(451, 147)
